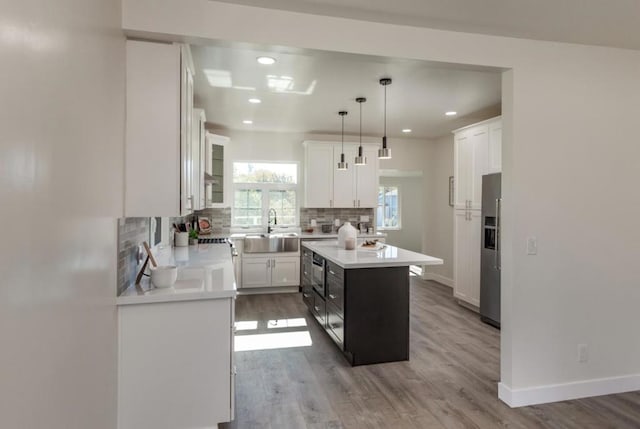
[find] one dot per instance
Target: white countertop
(321, 236)
(205, 271)
(313, 236)
(389, 256)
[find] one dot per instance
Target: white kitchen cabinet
(256, 272)
(319, 176)
(467, 241)
(344, 181)
(270, 271)
(285, 271)
(326, 186)
(198, 151)
(159, 103)
(217, 169)
(495, 147)
(367, 179)
(477, 151)
(175, 364)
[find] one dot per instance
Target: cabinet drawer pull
(316, 308)
(331, 272)
(306, 295)
(332, 296)
(305, 273)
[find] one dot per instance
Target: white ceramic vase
(345, 231)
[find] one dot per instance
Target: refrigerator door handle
(498, 262)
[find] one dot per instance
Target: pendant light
(342, 165)
(384, 153)
(360, 159)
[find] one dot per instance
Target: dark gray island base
(365, 311)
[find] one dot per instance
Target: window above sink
(260, 187)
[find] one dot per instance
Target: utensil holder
(181, 239)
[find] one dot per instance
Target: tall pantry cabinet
(477, 151)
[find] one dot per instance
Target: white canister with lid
(347, 230)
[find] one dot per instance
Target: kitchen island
(361, 297)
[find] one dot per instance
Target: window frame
(266, 187)
(390, 228)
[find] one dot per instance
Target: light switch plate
(532, 246)
(364, 218)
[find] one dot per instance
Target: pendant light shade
(360, 158)
(342, 165)
(384, 152)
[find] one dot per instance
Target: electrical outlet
(583, 353)
(532, 246)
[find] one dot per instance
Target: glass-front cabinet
(214, 170)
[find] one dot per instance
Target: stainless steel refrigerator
(490, 250)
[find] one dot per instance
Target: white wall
(570, 174)
(411, 191)
(438, 234)
(61, 178)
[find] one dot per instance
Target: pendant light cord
(385, 110)
(360, 125)
(342, 134)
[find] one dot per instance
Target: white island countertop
(388, 256)
(205, 271)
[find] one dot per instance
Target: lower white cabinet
(270, 271)
(175, 364)
(466, 275)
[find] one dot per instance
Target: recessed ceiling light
(406, 130)
(247, 122)
(255, 101)
(266, 60)
(451, 113)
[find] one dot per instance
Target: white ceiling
(592, 22)
(327, 82)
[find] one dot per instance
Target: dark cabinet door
(319, 309)
(335, 325)
(307, 296)
(335, 294)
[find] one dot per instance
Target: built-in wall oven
(317, 274)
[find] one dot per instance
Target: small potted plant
(193, 237)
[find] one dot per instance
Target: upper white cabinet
(326, 186)
(216, 168)
(159, 114)
(198, 150)
(495, 147)
(477, 151)
(319, 176)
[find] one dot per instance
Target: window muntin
(388, 210)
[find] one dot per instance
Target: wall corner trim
(567, 391)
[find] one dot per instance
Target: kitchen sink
(271, 243)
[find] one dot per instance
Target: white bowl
(164, 275)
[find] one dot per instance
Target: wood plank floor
(449, 382)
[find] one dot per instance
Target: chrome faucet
(275, 220)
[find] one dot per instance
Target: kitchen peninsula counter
(361, 298)
(205, 271)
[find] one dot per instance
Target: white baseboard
(438, 278)
(566, 391)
